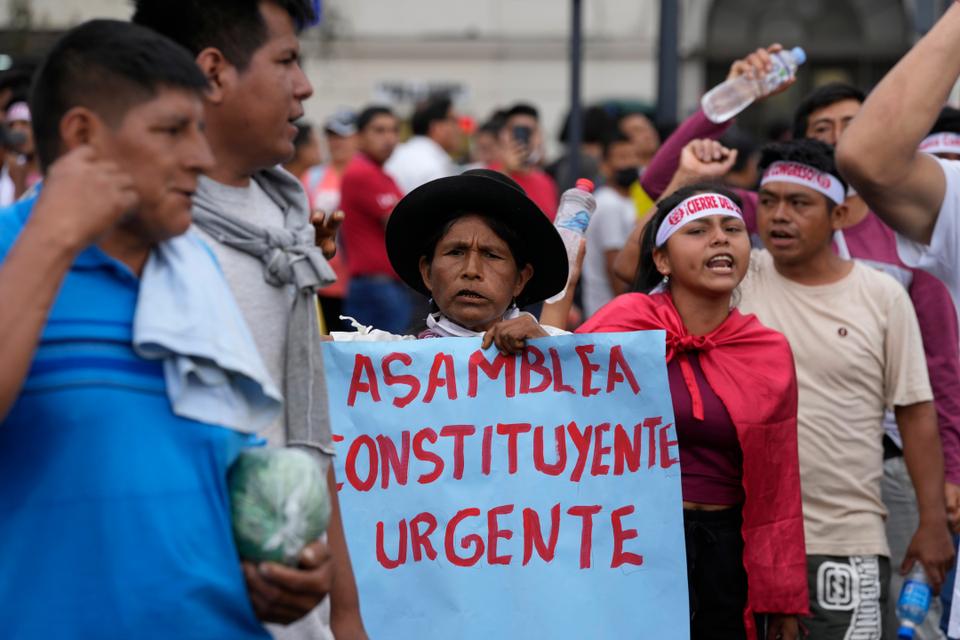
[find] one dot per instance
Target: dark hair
(435, 109)
(814, 153)
(304, 131)
(370, 112)
(947, 122)
(499, 227)
(664, 129)
(495, 123)
(630, 113)
(522, 109)
(598, 125)
(108, 66)
(822, 97)
(614, 138)
(16, 80)
(235, 27)
(492, 127)
(647, 275)
(745, 145)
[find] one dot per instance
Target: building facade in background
(490, 53)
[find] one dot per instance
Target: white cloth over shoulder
(365, 333)
(438, 326)
(941, 257)
(187, 317)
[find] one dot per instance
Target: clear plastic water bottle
(573, 217)
(914, 602)
(733, 96)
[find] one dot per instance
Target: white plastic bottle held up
(733, 96)
(573, 217)
(914, 602)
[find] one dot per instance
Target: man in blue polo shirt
(114, 511)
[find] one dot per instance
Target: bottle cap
(585, 184)
(906, 632)
(799, 55)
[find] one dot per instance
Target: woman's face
(473, 277)
(708, 256)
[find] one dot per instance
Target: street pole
(923, 17)
(668, 62)
(576, 115)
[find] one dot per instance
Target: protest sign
(486, 496)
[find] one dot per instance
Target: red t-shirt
(367, 197)
(539, 187)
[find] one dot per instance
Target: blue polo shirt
(114, 512)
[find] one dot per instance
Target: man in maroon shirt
(521, 151)
(367, 196)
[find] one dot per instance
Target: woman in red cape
(734, 392)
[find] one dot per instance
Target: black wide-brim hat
(423, 212)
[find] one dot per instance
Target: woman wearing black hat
(480, 249)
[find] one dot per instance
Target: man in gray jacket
(258, 222)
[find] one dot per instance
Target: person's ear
(220, 73)
(523, 277)
(662, 261)
(839, 217)
(425, 273)
(80, 126)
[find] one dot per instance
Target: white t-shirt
(941, 257)
(857, 347)
(418, 161)
(609, 228)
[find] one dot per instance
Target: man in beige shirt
(858, 351)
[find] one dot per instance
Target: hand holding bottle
(757, 64)
(763, 73)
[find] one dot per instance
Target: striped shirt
(114, 512)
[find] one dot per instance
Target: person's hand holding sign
(758, 64)
(510, 336)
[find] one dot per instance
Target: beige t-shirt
(858, 351)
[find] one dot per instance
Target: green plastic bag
(279, 502)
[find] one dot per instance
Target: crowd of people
(162, 273)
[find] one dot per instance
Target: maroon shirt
(711, 461)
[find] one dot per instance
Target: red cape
(750, 368)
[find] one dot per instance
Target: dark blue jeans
(380, 302)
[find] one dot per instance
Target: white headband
(944, 142)
(806, 176)
(694, 208)
(18, 112)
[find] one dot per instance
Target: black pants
(716, 578)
